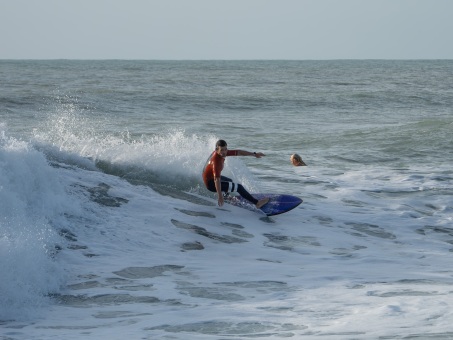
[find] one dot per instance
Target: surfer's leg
(229, 186)
(244, 193)
(225, 179)
(225, 183)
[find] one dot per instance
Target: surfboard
(278, 203)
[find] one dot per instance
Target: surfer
(296, 160)
(215, 182)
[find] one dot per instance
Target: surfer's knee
(233, 187)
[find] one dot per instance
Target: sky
(226, 30)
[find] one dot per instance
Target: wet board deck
(278, 203)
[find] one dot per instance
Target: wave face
(32, 211)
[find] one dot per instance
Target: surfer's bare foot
(262, 202)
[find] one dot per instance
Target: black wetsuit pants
(227, 185)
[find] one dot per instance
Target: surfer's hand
(220, 200)
(258, 154)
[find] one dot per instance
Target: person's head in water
(296, 160)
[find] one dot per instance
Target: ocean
(107, 232)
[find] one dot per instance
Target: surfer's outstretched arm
(248, 153)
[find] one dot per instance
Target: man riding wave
(215, 182)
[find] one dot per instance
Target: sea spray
(172, 157)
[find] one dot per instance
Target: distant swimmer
(216, 183)
(296, 160)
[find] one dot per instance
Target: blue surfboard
(278, 203)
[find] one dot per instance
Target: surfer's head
(296, 160)
(220, 143)
(221, 148)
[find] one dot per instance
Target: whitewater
(106, 229)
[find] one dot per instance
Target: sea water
(106, 229)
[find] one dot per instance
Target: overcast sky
(228, 29)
